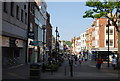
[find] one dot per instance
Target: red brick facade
(48, 33)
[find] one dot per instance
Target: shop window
(17, 53)
(4, 52)
(30, 53)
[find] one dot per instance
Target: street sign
(35, 43)
(31, 35)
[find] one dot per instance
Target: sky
(68, 17)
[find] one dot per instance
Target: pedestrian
(114, 62)
(76, 59)
(50, 60)
(71, 59)
(99, 62)
(80, 60)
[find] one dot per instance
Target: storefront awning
(105, 49)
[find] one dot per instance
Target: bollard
(34, 71)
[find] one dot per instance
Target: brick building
(48, 34)
(100, 38)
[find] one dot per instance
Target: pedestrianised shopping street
(43, 39)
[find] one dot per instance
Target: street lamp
(56, 37)
(58, 41)
(43, 27)
(108, 24)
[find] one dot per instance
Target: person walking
(71, 59)
(76, 59)
(99, 62)
(80, 60)
(114, 62)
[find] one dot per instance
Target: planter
(51, 67)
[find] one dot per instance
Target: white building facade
(83, 41)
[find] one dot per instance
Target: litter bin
(35, 71)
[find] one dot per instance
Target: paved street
(36, 35)
(86, 70)
(21, 72)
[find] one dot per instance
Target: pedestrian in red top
(99, 62)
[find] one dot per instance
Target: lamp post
(43, 27)
(108, 24)
(58, 41)
(56, 37)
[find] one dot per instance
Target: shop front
(34, 51)
(13, 52)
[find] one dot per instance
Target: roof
(68, 43)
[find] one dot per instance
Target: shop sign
(19, 43)
(16, 42)
(35, 43)
(5, 41)
(31, 35)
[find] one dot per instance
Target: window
(32, 8)
(17, 53)
(110, 42)
(17, 12)
(106, 42)
(106, 31)
(111, 31)
(12, 8)
(24, 6)
(5, 7)
(25, 18)
(21, 15)
(42, 10)
(31, 27)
